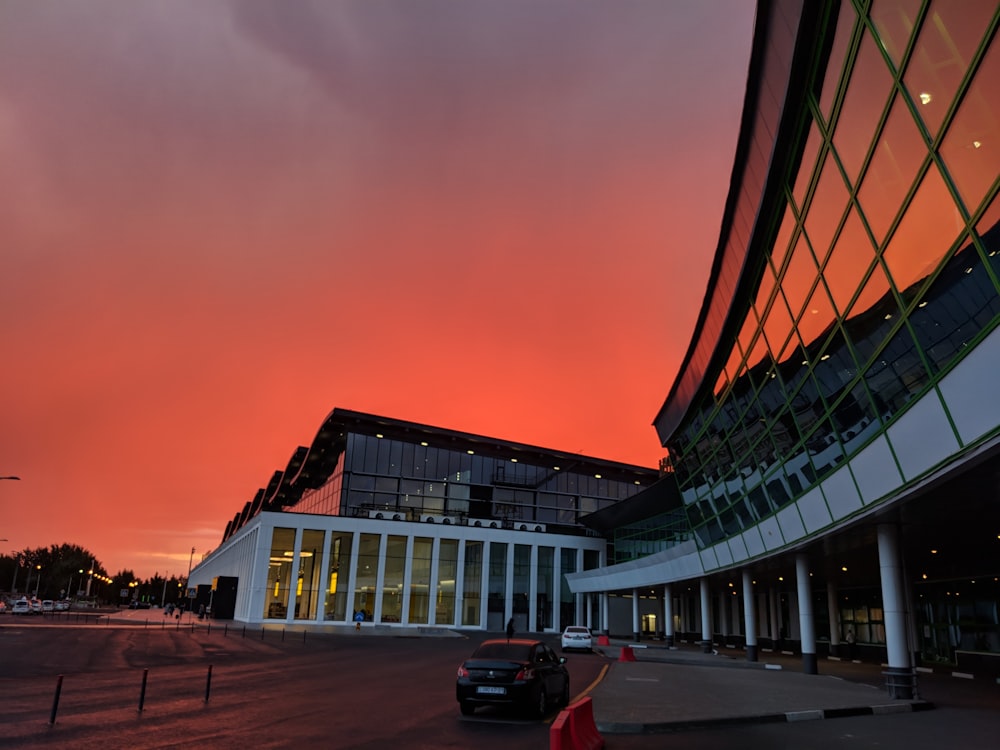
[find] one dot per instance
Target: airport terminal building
(833, 483)
(396, 524)
(834, 430)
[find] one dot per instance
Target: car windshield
(510, 651)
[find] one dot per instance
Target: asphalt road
(360, 691)
(343, 691)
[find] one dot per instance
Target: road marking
(641, 679)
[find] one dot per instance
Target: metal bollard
(55, 700)
(142, 690)
(208, 683)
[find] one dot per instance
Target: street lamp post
(38, 579)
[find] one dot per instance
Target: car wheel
(564, 701)
(467, 708)
(543, 703)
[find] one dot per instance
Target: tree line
(69, 571)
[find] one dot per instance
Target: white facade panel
(875, 470)
(770, 533)
(970, 390)
(738, 549)
(841, 493)
(922, 437)
(753, 541)
(812, 507)
(791, 523)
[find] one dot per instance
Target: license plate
(481, 690)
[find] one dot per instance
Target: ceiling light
(423, 443)
(925, 98)
(977, 144)
(379, 435)
(471, 453)
(597, 476)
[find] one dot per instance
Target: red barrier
(602, 640)
(627, 654)
(582, 728)
(560, 737)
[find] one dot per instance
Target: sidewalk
(671, 689)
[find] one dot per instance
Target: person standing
(510, 628)
(850, 643)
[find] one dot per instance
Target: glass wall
(497, 591)
(883, 272)
(392, 582)
(310, 582)
(544, 576)
(339, 575)
(366, 577)
(522, 587)
(472, 581)
(279, 573)
(447, 576)
(567, 600)
(420, 580)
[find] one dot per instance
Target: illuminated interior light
(924, 576)
(805, 362)
(968, 270)
(471, 453)
(843, 568)
(923, 304)
(379, 435)
(513, 460)
(781, 578)
(824, 358)
(888, 316)
(555, 468)
(977, 144)
(637, 481)
(933, 551)
(597, 476)
(925, 98)
(423, 443)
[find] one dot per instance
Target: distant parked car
(577, 636)
(36, 607)
(48, 605)
(62, 605)
(21, 607)
(516, 672)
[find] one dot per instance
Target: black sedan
(518, 672)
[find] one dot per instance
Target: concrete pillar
(749, 616)
(668, 615)
(636, 621)
(775, 628)
(706, 617)
(604, 612)
(590, 612)
(900, 678)
(833, 612)
(807, 621)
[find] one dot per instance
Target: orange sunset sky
(220, 220)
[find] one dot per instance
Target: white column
(706, 617)
(508, 607)
(749, 616)
(578, 598)
(590, 612)
(352, 576)
(533, 589)
(324, 578)
(900, 671)
(604, 612)
(833, 612)
(636, 622)
(293, 584)
(807, 622)
(668, 615)
(557, 591)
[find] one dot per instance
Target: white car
(577, 636)
(21, 607)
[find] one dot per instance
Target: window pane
(869, 90)
(894, 21)
(971, 148)
(845, 27)
(799, 277)
(849, 261)
(948, 39)
(900, 152)
(925, 234)
(826, 209)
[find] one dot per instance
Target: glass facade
(883, 271)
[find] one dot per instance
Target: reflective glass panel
(894, 21)
(971, 147)
(392, 583)
(896, 375)
(420, 580)
(818, 317)
(808, 164)
(874, 313)
(927, 231)
(444, 605)
(867, 94)
(849, 261)
(279, 574)
(799, 277)
(948, 39)
(339, 573)
(897, 159)
(366, 577)
(845, 27)
(310, 582)
(988, 229)
(472, 578)
(826, 209)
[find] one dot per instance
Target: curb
(615, 727)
